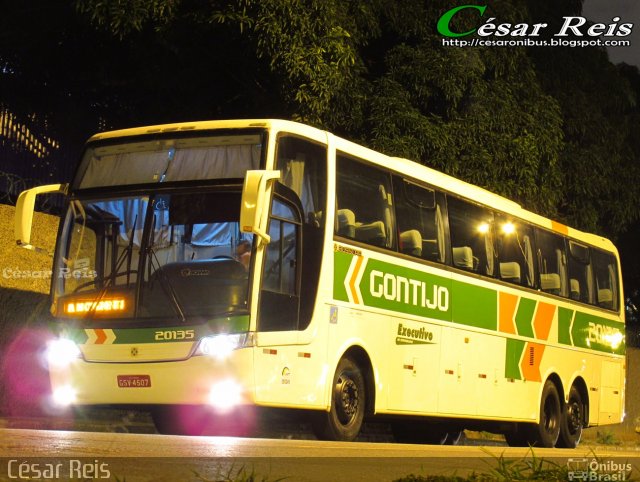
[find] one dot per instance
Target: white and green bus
(377, 289)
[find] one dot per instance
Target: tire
(519, 437)
(348, 401)
(547, 432)
(413, 432)
(573, 418)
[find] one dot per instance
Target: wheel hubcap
(574, 417)
(347, 399)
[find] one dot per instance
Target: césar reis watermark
(62, 273)
(573, 31)
(18, 469)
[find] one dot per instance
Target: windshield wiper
(165, 282)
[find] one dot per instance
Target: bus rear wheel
(573, 417)
(348, 401)
(546, 433)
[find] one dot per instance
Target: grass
(607, 438)
(233, 474)
(524, 469)
(505, 469)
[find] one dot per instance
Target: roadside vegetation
(24, 288)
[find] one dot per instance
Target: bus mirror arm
(254, 209)
(25, 207)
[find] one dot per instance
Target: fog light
(61, 352)
(64, 396)
(225, 395)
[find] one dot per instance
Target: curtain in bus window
(130, 211)
(121, 169)
(303, 167)
(214, 162)
(294, 178)
(214, 234)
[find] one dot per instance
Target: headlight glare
(62, 352)
(221, 346)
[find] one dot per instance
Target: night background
(556, 129)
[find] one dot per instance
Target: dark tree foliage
(555, 129)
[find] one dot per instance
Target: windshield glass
(226, 155)
(171, 255)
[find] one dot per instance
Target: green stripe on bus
(598, 333)
(159, 334)
(474, 305)
(524, 317)
(564, 325)
(514, 353)
(341, 262)
(406, 290)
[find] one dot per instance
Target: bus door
(278, 377)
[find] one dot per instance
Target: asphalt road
(142, 457)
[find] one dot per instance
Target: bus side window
(420, 220)
(303, 164)
(279, 299)
(552, 263)
(580, 273)
(364, 204)
(606, 275)
(515, 251)
(471, 228)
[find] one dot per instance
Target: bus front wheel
(344, 418)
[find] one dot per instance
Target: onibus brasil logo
(594, 469)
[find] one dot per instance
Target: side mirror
(255, 207)
(24, 212)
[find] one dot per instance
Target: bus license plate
(134, 381)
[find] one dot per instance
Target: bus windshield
(160, 255)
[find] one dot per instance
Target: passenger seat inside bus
(346, 220)
(510, 272)
(574, 289)
(550, 283)
(376, 230)
(463, 257)
(605, 298)
(411, 242)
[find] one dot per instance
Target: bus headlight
(62, 352)
(221, 346)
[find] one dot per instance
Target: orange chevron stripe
(101, 336)
(530, 364)
(352, 281)
(508, 305)
(543, 319)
